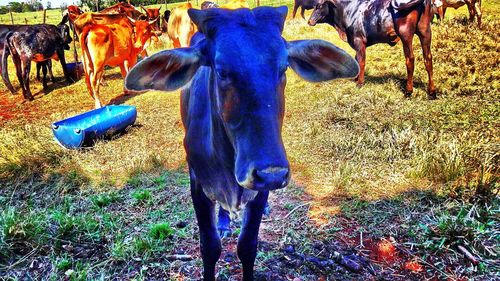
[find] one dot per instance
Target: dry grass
(368, 160)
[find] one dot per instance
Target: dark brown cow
(369, 22)
(38, 43)
(304, 5)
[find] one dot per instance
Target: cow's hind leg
(209, 238)
(223, 223)
(26, 65)
(96, 83)
(247, 242)
(19, 73)
(406, 30)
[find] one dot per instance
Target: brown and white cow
(474, 6)
(180, 28)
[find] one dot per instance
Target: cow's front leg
(295, 8)
(425, 35)
(209, 238)
(302, 11)
(479, 13)
(38, 69)
(49, 65)
(44, 78)
(247, 242)
(360, 47)
(223, 223)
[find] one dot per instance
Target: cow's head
(143, 31)
(153, 14)
(72, 12)
(66, 37)
(323, 10)
(248, 60)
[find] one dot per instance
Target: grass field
(401, 183)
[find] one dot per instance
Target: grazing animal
(38, 43)
(304, 5)
(208, 5)
(233, 113)
(110, 40)
(474, 6)
(366, 23)
(180, 28)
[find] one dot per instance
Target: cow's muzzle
(267, 179)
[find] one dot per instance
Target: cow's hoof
(225, 233)
(267, 210)
(408, 94)
(432, 96)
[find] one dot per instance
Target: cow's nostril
(272, 178)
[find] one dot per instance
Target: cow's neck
(334, 17)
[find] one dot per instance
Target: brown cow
(121, 8)
(474, 6)
(109, 40)
(180, 28)
(152, 14)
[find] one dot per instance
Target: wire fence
(54, 16)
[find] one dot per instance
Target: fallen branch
(467, 254)
(179, 257)
(287, 215)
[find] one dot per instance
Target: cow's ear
(318, 60)
(198, 17)
(165, 71)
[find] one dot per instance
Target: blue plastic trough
(84, 129)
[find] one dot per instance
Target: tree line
(22, 7)
(92, 5)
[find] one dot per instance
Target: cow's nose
(271, 178)
(311, 22)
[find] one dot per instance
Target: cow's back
(101, 19)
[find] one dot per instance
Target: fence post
(44, 14)
(11, 18)
(25, 21)
(258, 3)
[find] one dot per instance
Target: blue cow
(233, 113)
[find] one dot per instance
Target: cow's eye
(222, 75)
